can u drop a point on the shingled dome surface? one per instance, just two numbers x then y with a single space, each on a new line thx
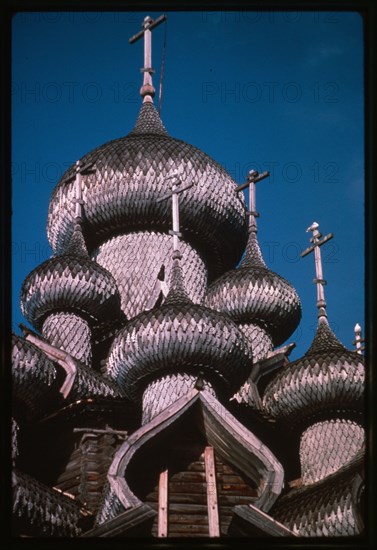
254 294
327 378
130 175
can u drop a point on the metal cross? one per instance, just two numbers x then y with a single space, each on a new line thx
319 280
359 340
252 178
147 90
176 190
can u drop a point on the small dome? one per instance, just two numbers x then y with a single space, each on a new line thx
254 294
70 282
328 378
178 337
129 175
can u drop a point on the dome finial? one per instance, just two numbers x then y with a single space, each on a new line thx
77 243
319 280
253 255
252 178
175 191
359 340
147 91
176 283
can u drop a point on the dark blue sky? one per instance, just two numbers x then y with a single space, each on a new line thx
268 90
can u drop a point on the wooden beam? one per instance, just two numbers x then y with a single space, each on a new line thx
213 511
163 504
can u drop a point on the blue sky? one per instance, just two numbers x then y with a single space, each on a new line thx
265 90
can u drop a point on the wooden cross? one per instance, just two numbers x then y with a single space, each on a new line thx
176 190
319 280
252 178
80 170
147 90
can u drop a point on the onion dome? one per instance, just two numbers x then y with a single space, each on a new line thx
70 282
328 379
129 175
178 337
254 295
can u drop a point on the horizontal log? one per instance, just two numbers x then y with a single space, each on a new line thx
236 489
187 487
230 478
196 467
185 498
188 529
187 477
191 519
187 508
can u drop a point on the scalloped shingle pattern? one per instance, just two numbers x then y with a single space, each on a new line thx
130 175
257 295
52 513
69 283
135 260
162 392
327 378
71 333
327 446
259 340
35 379
177 337
329 508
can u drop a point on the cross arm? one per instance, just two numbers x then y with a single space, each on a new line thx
258 177
175 192
318 243
149 27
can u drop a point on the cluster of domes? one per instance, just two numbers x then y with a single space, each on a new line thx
179 336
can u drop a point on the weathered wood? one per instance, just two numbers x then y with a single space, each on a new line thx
191 519
187 508
126 521
163 504
196 467
183 487
188 529
188 477
255 522
213 512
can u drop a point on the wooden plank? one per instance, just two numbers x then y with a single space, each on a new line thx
189 477
183 487
163 504
187 508
259 523
213 512
188 530
118 526
190 519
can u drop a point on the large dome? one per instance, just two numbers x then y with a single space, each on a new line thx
129 175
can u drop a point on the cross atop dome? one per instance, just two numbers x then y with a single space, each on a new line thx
175 191
252 178
319 280
147 91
